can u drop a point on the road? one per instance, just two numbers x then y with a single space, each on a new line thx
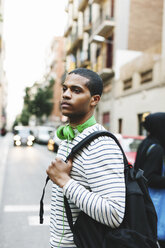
22 177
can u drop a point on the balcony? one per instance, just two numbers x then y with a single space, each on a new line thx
74 43
87 28
103 68
85 64
82 4
67 5
67 30
102 26
106 73
97 1
85 59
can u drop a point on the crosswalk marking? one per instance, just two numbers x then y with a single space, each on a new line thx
24 208
32 220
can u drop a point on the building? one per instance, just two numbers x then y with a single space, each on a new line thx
55 71
123 41
3 82
140 87
90 40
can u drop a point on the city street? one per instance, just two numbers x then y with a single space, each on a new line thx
22 177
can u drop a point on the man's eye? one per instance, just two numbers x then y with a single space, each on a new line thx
77 90
64 89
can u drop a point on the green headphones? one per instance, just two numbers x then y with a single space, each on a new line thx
67 132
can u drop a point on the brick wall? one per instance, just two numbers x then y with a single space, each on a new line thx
145 24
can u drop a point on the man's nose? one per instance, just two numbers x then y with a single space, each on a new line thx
67 93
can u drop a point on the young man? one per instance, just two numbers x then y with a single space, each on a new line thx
94 181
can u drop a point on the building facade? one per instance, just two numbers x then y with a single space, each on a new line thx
123 42
3 81
140 87
55 71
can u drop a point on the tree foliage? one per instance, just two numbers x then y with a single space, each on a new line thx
25 116
38 104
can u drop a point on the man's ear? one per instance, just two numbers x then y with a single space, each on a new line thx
95 100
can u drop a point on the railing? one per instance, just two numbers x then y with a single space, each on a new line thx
82 4
100 20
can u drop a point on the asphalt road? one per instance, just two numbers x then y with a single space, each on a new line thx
22 177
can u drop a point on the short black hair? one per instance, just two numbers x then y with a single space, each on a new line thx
94 84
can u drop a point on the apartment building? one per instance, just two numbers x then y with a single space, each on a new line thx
140 88
56 69
90 39
3 82
122 41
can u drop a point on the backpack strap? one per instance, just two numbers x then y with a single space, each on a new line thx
74 150
91 137
79 146
41 212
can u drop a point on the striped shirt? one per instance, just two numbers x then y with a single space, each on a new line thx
97 186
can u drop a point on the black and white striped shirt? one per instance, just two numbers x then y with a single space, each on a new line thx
97 186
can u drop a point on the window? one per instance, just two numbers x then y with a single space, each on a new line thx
98 51
146 76
109 58
120 124
127 84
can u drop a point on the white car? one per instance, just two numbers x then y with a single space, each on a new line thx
43 134
23 136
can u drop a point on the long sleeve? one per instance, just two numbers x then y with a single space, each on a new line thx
103 166
97 186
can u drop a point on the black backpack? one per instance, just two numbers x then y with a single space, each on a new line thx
139 227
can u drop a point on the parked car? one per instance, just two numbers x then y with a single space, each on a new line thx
130 145
23 136
53 142
43 134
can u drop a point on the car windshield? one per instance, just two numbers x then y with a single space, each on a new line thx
23 132
44 131
130 144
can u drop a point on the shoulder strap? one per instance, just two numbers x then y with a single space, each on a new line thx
79 146
74 150
90 138
41 212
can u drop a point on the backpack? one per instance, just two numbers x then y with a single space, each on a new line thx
139 226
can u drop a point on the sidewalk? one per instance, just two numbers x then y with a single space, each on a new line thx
4 148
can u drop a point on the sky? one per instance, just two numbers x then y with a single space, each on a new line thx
29 27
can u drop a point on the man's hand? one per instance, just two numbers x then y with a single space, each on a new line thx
59 172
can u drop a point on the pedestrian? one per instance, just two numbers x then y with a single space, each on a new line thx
94 181
151 158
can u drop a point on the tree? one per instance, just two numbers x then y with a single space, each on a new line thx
39 103
25 116
42 103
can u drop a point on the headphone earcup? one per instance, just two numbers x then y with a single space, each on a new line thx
65 132
68 132
59 132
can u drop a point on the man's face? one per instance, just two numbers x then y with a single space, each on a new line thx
76 98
